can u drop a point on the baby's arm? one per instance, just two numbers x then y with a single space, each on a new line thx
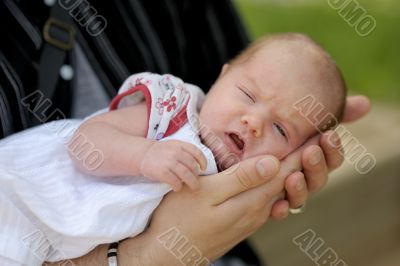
120 137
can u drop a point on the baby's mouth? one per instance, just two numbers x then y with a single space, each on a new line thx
230 152
237 141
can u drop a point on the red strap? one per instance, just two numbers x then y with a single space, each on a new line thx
140 87
176 123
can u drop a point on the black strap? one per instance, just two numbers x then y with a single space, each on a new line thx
59 35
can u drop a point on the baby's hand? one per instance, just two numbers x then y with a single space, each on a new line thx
173 162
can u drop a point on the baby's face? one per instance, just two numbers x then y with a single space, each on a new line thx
249 110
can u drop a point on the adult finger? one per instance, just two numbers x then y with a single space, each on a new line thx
293 162
280 210
196 153
296 190
254 206
314 168
332 148
356 107
240 177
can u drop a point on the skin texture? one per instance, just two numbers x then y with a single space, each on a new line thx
255 101
241 209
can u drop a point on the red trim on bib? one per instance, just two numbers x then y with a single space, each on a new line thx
140 87
178 121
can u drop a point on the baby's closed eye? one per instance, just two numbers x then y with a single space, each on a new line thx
280 130
247 93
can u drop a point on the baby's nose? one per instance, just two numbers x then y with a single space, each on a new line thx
254 125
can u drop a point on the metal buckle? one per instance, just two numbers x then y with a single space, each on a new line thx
63 26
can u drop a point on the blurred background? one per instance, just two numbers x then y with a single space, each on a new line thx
356 215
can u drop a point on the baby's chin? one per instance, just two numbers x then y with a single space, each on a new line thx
224 158
227 162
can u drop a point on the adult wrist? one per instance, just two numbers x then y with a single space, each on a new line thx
133 251
144 250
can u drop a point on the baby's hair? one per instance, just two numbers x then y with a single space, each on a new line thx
331 72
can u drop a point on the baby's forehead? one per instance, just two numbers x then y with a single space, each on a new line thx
302 71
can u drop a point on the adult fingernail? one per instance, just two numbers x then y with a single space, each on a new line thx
334 140
315 158
266 167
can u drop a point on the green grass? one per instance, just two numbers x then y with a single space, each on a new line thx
370 64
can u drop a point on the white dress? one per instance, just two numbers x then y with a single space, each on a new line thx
50 211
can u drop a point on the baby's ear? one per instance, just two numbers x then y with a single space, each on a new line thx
224 69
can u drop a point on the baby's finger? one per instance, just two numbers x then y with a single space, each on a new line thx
187 160
184 174
197 154
172 179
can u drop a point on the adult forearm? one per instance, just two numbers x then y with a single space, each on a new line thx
132 251
102 150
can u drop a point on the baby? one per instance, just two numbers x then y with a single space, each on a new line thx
249 111
171 137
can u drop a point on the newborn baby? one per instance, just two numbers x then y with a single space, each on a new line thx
249 111
171 137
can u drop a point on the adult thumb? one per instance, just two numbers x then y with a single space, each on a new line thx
240 177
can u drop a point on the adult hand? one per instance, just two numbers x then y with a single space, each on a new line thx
229 207
318 159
